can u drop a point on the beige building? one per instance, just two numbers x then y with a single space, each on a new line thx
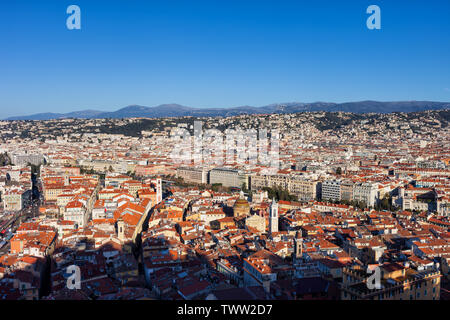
347 190
13 199
257 222
133 187
52 192
304 189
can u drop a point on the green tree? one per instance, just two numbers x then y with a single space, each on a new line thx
279 194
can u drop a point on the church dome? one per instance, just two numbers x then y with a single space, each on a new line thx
241 207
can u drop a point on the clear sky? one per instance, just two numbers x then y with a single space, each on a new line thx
219 53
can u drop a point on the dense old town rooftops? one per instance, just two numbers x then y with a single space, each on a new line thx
355 193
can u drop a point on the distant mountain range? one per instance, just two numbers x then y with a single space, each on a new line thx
175 110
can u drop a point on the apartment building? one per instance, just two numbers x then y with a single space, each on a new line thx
443 206
76 211
133 186
227 177
397 282
260 269
423 172
52 191
25 159
304 189
193 175
15 199
258 182
347 190
366 192
331 190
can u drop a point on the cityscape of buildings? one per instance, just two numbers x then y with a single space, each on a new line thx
357 209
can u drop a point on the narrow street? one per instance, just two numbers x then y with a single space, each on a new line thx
31 210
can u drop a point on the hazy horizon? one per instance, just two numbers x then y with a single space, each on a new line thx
224 107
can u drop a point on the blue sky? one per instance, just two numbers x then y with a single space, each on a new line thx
219 53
